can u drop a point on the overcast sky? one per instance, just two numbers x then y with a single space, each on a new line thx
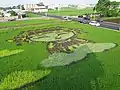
16 2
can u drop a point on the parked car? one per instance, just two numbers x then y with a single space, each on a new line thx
94 23
83 21
65 17
99 20
118 28
80 16
87 18
24 15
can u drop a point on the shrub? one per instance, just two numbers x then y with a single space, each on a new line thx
4 53
21 78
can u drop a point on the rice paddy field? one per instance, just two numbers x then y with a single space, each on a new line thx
88 59
31 15
71 12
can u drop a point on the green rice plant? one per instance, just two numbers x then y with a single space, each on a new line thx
100 47
71 48
21 78
74 46
53 36
61 59
10 41
51 45
4 53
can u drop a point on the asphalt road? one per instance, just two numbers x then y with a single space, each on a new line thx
110 25
102 24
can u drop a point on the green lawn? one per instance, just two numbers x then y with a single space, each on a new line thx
31 15
71 12
99 71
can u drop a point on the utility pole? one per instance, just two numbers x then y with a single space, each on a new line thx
94 13
21 11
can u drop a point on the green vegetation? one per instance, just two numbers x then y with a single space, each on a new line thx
46 35
67 45
4 53
100 47
20 78
13 13
61 37
108 8
71 12
31 15
98 71
113 20
52 36
26 23
106 18
50 45
62 59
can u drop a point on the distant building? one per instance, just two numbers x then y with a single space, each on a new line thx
17 10
1 11
36 8
82 6
7 14
52 7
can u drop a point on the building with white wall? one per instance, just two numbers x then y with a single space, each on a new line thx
52 6
82 6
35 8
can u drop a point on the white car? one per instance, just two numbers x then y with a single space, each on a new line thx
94 23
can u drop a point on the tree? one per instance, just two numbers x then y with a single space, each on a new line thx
23 7
56 8
14 7
114 9
107 8
18 7
7 8
13 13
102 6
